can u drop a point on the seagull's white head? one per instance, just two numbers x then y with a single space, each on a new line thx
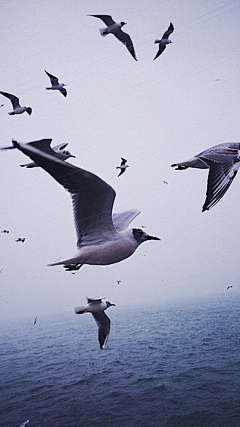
109 304
140 236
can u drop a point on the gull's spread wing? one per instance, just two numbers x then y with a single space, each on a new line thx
54 80
92 197
14 99
103 323
223 163
168 32
122 220
107 19
126 40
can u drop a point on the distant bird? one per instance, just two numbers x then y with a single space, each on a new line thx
223 162
164 41
102 237
35 321
229 287
58 150
56 85
115 29
118 282
17 109
2 105
5 231
96 307
20 239
165 182
24 423
123 166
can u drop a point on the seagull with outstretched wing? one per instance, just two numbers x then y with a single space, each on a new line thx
223 162
56 85
17 109
115 28
164 41
122 166
96 307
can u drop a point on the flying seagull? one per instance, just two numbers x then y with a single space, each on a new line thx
2 105
24 423
115 29
5 231
223 162
97 308
229 287
56 85
123 166
165 182
58 151
164 41
20 239
17 109
102 238
35 321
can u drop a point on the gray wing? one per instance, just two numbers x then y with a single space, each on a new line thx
168 32
122 220
14 99
24 423
126 40
63 91
54 80
220 178
161 49
89 300
92 197
121 172
107 19
124 161
103 323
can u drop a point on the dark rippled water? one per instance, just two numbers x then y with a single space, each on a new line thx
176 365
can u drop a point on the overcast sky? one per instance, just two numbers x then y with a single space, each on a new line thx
153 113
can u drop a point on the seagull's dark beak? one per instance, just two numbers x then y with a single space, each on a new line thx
72 156
113 304
153 238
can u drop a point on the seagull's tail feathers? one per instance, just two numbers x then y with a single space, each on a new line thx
103 32
79 310
29 165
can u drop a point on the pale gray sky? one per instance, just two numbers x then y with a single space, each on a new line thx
153 113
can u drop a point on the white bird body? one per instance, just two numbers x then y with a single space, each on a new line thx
111 29
109 250
102 237
163 41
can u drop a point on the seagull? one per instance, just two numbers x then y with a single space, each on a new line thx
123 166
56 85
35 321
115 29
5 231
97 308
118 282
229 287
24 423
17 109
59 151
164 41
102 237
223 163
165 182
2 105
20 239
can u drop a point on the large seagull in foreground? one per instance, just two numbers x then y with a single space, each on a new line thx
223 162
97 307
164 41
102 238
115 28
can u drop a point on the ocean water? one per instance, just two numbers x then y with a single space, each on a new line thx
174 365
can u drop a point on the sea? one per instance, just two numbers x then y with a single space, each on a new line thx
175 364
